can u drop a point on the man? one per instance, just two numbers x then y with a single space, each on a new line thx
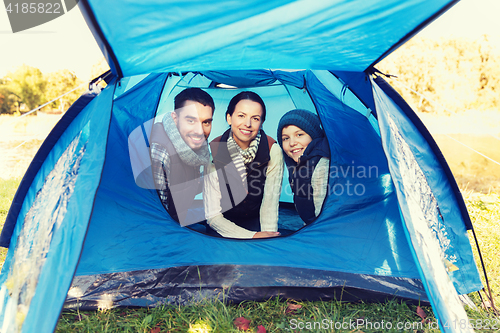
179 153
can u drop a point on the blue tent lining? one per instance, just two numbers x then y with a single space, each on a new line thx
36 164
389 90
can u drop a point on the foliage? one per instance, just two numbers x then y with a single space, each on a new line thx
7 99
61 82
457 74
28 85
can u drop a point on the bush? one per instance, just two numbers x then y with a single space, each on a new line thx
457 74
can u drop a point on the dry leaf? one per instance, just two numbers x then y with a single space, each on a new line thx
261 329
155 330
242 323
421 313
291 308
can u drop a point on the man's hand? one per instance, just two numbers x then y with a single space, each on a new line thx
266 234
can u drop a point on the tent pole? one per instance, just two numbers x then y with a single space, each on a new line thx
488 294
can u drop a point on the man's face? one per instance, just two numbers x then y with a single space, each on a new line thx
194 121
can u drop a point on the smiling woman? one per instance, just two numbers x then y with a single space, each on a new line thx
243 186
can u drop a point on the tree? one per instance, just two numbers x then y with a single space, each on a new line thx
28 84
59 83
7 99
456 74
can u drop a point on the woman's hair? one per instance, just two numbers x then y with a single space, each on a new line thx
250 95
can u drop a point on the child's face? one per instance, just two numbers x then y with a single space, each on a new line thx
295 141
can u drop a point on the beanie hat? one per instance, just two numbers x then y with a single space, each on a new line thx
303 119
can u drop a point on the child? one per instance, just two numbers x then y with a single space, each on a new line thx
307 156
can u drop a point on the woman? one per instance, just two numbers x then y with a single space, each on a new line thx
307 156
243 185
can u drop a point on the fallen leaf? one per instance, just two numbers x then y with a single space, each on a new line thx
291 308
261 329
155 330
242 323
421 313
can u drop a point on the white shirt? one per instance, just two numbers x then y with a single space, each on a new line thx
268 208
319 183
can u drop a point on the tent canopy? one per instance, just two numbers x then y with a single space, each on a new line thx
230 34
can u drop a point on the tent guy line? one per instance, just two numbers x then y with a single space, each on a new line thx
45 104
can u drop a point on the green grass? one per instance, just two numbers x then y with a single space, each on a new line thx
484 211
7 190
214 316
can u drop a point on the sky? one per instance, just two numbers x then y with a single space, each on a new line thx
67 42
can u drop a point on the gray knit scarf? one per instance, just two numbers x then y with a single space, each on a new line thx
187 155
242 157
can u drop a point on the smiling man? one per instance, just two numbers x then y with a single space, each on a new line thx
179 153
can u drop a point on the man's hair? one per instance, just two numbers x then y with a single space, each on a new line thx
249 95
195 95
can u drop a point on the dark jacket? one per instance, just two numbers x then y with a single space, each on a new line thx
241 203
185 179
300 175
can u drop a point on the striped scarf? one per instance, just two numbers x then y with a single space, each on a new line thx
242 157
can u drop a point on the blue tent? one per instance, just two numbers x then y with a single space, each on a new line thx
82 233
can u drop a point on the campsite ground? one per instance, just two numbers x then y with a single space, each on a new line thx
477 177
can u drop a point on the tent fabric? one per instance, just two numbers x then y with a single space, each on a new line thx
392 202
37 162
139 218
445 204
203 35
238 283
434 241
52 223
359 239
454 200
126 215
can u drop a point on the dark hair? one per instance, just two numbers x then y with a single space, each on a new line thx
195 95
250 95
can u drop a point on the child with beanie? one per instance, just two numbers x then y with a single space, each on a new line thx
307 156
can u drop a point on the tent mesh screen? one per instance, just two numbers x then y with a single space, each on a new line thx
40 224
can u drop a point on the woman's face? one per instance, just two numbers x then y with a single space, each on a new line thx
245 122
295 141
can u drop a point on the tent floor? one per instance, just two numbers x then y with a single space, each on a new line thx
235 283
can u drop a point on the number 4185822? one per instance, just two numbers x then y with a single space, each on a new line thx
40 7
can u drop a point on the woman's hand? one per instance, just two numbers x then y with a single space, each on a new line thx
266 234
